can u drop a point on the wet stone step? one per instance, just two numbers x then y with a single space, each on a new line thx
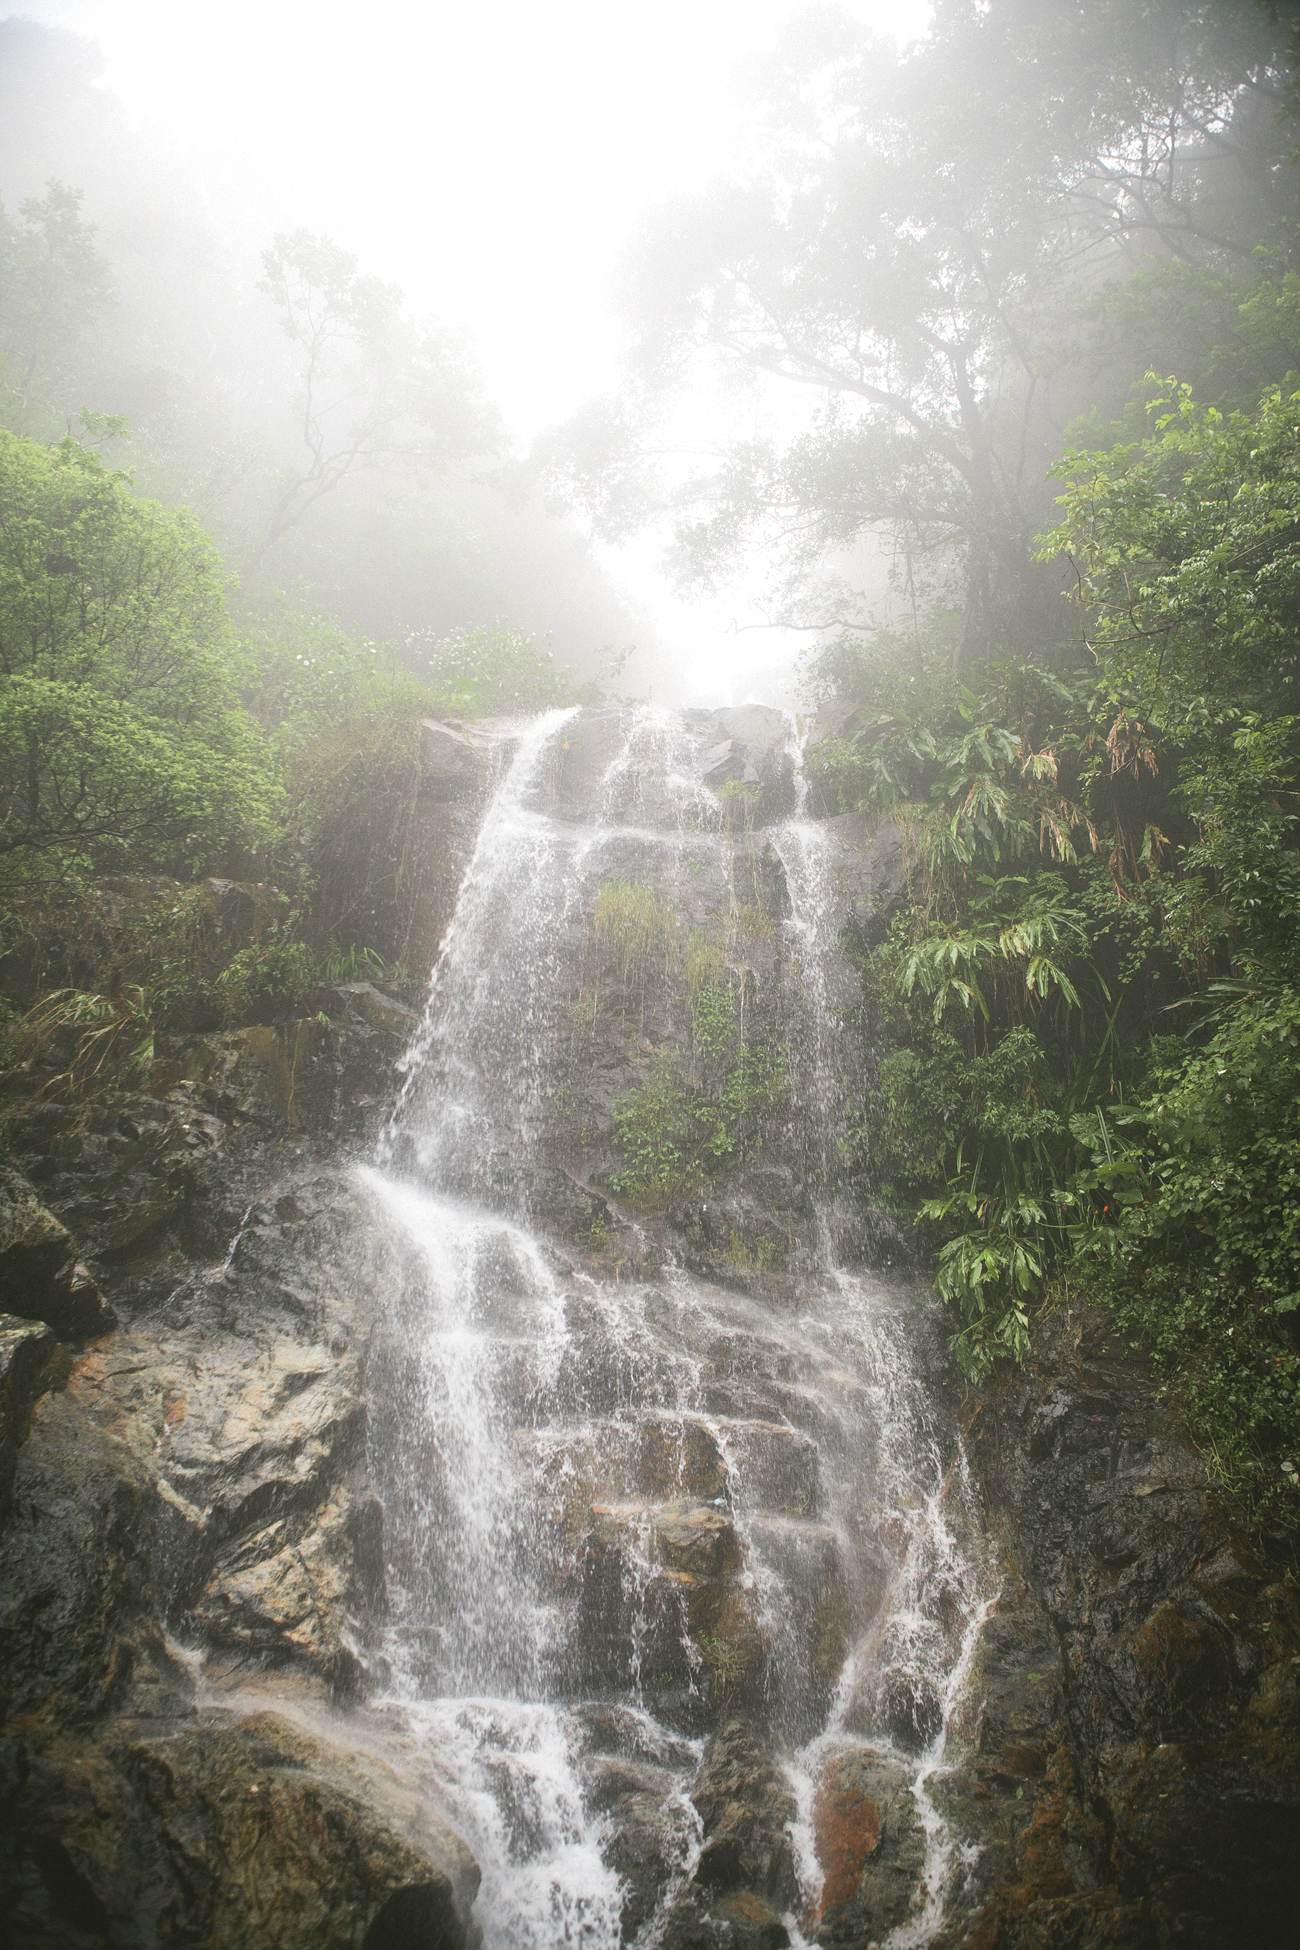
801 1552
698 1538
828 1420
651 1826
665 1612
511 1375
603 1372
744 1354
771 1466
661 1457
809 1609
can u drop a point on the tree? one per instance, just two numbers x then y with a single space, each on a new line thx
910 259
53 286
373 389
1187 547
121 735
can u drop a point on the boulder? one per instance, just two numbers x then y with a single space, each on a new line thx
241 911
754 752
454 762
660 1606
640 1801
759 726
1120 1787
697 1537
556 1200
744 1881
585 751
241 1406
32 1361
80 1633
226 1831
726 762
366 1003
870 1844
836 720
868 866
41 1276
120 1171
273 1074
274 1535
280 1597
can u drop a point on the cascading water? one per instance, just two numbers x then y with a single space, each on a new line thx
629 1502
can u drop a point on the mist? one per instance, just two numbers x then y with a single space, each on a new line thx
492 167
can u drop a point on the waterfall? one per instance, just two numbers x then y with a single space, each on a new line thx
633 1495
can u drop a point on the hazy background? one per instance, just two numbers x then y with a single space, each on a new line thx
490 160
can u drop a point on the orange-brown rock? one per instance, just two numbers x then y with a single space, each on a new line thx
846 1824
697 1537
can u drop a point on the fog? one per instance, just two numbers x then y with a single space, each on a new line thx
491 161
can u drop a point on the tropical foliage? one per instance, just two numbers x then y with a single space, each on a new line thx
1090 992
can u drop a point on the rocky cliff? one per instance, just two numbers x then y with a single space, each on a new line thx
822 1645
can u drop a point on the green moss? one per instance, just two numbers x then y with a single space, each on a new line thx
752 1256
749 924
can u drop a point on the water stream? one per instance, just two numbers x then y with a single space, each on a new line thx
622 1504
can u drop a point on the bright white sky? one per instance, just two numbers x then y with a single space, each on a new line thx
490 158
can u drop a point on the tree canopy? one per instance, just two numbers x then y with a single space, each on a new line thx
899 283
372 387
54 284
123 735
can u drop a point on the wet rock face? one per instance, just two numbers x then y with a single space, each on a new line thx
79 1626
675 1442
455 762
32 1361
205 1467
697 1538
210 1465
250 1421
744 1882
1142 1677
193 1461
225 1831
747 746
632 1781
201 1468
137 1174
